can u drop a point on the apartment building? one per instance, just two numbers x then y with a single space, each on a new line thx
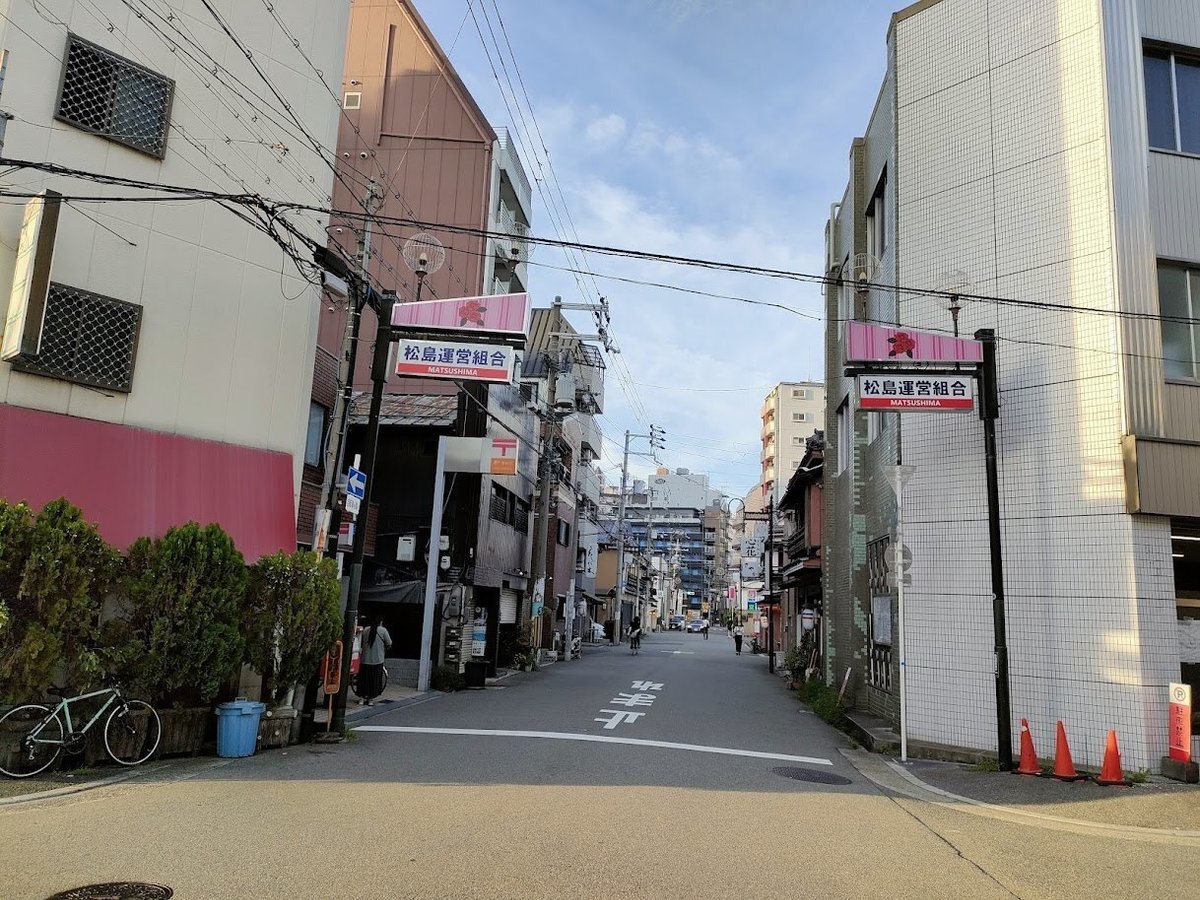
1047 173
791 412
157 356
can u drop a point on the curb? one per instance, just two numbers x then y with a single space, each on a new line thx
893 778
165 770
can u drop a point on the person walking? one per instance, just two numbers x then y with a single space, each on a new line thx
706 629
635 635
738 634
375 645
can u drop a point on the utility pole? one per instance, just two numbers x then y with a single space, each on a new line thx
546 462
655 437
989 411
767 585
356 297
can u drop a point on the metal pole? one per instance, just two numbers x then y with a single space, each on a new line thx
770 598
620 586
431 567
989 411
379 373
545 480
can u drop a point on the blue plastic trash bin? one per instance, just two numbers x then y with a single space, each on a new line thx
237 727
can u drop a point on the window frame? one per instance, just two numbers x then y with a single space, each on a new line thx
1171 54
314 406
168 106
1191 274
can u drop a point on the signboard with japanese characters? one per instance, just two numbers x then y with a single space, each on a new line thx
502 456
455 359
505 315
1179 743
910 392
880 343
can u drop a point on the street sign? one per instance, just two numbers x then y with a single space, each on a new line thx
913 392
502 456
356 489
461 360
1179 742
504 315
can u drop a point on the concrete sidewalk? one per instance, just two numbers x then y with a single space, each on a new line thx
1156 809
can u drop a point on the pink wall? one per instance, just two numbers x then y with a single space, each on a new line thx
135 483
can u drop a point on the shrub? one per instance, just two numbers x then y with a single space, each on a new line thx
447 678
55 572
184 593
291 617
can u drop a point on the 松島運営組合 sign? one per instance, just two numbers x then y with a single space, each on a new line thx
917 393
462 360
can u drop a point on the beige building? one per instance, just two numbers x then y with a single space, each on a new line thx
157 356
791 412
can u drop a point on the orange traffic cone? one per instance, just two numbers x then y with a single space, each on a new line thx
1064 768
1111 772
1029 763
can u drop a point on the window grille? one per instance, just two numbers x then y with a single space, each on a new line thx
521 517
87 338
881 652
500 504
114 98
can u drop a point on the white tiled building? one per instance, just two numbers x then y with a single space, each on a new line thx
1020 167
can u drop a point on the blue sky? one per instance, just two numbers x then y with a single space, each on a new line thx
714 129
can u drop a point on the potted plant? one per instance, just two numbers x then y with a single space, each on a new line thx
290 618
182 596
55 572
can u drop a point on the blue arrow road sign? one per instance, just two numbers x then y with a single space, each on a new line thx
356 483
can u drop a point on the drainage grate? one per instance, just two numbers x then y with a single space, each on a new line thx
117 890
810 775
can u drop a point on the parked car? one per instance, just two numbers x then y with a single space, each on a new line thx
675 623
697 625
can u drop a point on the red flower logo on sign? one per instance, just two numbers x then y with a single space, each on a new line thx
902 343
471 313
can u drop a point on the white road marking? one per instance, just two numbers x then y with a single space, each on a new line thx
596 739
678 652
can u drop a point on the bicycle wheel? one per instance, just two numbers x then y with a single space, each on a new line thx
132 732
30 740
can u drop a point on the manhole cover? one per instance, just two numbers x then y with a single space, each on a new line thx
116 890
810 775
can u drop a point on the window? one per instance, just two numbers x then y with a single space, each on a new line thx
1172 101
799 393
876 224
1179 298
507 507
801 417
314 442
845 437
352 100
795 464
564 533
114 98
88 339
797 442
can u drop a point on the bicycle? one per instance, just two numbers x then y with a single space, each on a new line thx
32 735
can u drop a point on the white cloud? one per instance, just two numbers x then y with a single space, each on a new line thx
606 130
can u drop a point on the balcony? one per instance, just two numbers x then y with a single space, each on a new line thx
510 165
515 246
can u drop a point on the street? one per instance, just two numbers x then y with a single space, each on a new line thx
618 775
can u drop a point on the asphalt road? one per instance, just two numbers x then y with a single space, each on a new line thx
522 791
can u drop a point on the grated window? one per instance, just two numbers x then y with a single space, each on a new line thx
87 338
114 98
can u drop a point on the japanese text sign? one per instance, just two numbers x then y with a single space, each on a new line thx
908 392
875 343
455 359
502 458
1179 739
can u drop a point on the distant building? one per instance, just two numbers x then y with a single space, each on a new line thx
791 412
